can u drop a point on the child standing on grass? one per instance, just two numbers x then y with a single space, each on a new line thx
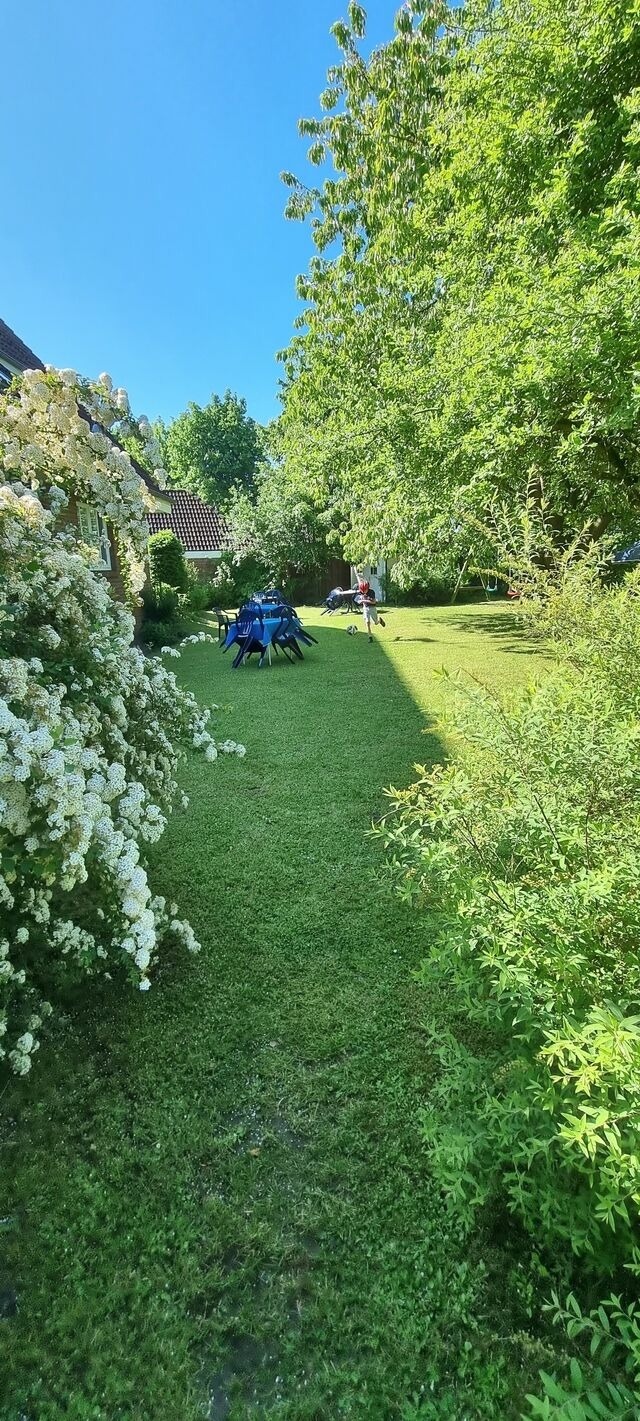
369 609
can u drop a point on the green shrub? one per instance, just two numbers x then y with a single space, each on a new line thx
223 591
166 560
162 616
197 594
158 634
612 1332
433 590
526 848
527 844
159 603
234 581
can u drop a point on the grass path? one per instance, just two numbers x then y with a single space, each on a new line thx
217 1205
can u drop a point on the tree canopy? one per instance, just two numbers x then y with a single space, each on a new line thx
207 449
471 331
279 526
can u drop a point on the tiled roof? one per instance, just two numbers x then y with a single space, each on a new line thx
15 351
199 526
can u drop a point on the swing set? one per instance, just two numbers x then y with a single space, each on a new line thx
488 580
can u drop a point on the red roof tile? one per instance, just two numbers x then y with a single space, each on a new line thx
199 526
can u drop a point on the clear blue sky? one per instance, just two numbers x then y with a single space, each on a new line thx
142 225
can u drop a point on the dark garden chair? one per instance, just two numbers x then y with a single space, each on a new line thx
245 633
281 635
341 599
223 624
288 632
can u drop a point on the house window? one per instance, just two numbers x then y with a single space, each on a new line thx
5 377
93 531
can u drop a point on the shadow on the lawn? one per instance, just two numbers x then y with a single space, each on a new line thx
499 625
222 1202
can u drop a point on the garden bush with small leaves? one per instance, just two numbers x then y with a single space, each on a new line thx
167 561
525 846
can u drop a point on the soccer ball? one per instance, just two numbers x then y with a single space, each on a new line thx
351 631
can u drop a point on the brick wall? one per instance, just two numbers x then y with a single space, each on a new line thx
205 567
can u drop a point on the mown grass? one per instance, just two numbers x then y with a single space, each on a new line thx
217 1204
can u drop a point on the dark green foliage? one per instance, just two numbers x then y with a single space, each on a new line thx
158 634
434 589
166 560
160 603
225 585
162 615
279 527
237 579
198 594
525 848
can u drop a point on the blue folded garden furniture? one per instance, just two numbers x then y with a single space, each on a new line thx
265 624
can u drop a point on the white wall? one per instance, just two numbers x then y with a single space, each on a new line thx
374 573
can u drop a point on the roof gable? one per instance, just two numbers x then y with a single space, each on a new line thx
199 526
15 352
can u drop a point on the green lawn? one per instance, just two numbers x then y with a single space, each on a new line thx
216 1200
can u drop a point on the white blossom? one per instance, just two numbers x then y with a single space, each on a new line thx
88 762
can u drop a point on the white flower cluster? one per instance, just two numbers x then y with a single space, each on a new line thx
187 641
203 741
61 437
91 733
24 1049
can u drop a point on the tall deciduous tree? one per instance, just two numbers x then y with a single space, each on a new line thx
207 449
279 526
471 330
277 522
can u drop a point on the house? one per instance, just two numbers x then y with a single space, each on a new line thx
15 357
204 533
375 573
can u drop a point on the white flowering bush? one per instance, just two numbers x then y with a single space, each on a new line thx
58 430
90 729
